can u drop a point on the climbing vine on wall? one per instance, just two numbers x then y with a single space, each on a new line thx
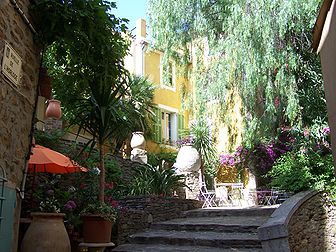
260 47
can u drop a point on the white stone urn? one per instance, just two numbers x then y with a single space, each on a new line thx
138 144
188 160
138 140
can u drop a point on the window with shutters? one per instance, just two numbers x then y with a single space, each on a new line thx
168 127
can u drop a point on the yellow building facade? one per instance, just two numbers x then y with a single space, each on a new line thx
171 118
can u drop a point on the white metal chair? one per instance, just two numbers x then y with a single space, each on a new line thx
221 195
207 197
236 195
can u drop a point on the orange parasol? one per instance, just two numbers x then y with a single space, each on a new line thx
47 160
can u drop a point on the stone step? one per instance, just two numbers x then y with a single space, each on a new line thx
213 212
188 238
218 224
174 248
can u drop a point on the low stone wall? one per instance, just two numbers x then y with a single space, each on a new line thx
139 212
193 186
305 222
313 226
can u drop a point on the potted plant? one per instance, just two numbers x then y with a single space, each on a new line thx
98 219
101 115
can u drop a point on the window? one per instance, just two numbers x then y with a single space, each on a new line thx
168 126
167 74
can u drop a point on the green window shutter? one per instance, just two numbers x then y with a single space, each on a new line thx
157 126
180 125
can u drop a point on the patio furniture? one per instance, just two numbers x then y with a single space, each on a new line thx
266 197
222 196
207 196
236 194
283 196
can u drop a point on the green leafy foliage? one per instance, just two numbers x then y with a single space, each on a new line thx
137 107
104 210
260 48
149 180
48 139
203 143
309 165
298 170
156 160
82 42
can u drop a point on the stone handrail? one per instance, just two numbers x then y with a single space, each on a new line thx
274 233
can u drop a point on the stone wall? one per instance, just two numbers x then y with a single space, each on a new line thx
192 190
304 222
313 226
138 212
16 103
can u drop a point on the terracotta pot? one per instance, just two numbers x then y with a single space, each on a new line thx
96 229
138 140
54 109
46 233
44 83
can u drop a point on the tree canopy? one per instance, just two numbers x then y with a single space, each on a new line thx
259 48
82 41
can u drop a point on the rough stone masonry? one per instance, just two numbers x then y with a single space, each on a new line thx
16 110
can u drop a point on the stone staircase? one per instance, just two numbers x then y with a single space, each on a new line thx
207 230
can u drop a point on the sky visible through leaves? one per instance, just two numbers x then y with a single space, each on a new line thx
132 10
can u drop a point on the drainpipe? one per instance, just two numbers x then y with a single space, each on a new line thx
23 15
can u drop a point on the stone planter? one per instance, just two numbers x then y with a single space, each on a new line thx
138 144
188 160
138 140
46 233
96 229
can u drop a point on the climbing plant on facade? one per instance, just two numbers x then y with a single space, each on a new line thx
259 48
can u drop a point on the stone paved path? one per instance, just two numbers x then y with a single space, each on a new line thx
208 230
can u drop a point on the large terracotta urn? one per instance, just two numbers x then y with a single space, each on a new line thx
46 233
96 229
188 160
138 140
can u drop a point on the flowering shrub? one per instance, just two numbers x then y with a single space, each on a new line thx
49 204
309 164
48 195
260 158
235 159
